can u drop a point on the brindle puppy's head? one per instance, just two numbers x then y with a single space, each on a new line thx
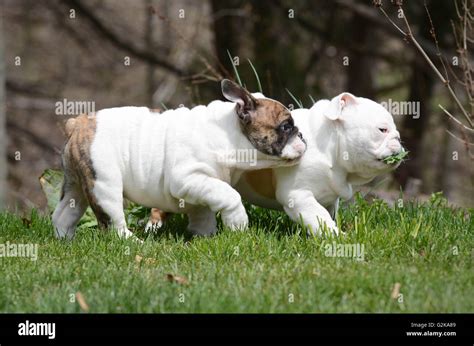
266 123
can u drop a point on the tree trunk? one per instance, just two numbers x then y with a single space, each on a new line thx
225 28
266 43
413 130
3 134
359 76
150 69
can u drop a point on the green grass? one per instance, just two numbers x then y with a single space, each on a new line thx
272 267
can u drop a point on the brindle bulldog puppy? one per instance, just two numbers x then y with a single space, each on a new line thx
182 160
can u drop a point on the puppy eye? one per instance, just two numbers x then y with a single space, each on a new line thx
286 127
383 130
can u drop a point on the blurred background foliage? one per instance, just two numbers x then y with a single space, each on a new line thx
163 53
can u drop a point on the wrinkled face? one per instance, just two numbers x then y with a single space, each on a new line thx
266 123
371 136
272 131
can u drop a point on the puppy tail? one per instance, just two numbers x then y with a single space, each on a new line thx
70 126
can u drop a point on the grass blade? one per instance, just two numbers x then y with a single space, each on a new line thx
235 68
298 103
256 76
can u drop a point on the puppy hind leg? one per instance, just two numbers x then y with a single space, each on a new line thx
69 210
107 204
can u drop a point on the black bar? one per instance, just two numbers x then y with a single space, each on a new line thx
137 329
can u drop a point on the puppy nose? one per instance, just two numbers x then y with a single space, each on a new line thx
300 147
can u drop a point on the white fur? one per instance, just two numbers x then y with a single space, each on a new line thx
170 161
344 146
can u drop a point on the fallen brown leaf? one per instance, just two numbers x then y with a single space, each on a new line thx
82 302
176 278
396 290
150 260
147 260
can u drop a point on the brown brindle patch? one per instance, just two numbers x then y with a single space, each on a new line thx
262 182
77 160
155 110
264 132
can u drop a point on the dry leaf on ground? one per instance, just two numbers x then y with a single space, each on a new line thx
396 290
82 302
176 278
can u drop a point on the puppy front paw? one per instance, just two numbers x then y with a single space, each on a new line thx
325 228
157 217
236 219
124 233
335 230
152 227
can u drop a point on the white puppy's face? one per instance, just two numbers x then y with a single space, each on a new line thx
367 134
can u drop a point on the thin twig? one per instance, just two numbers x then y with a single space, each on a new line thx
118 41
459 139
456 120
412 38
391 21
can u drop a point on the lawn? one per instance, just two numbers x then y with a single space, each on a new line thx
416 258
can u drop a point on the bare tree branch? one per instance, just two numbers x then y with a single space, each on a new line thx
121 43
29 89
353 48
456 120
31 136
409 35
459 139
367 12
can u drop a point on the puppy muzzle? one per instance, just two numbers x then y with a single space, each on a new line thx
294 148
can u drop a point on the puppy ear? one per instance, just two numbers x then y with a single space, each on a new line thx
338 104
246 103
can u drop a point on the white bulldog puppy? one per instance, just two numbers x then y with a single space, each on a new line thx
182 160
347 140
